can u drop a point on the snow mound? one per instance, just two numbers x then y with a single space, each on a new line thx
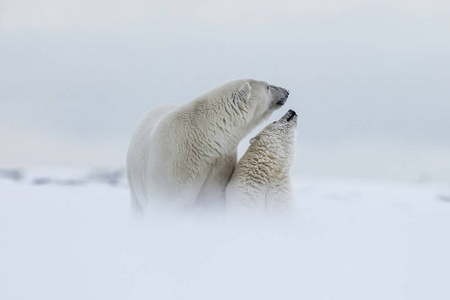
348 240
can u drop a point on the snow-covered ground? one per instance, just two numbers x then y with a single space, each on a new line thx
68 234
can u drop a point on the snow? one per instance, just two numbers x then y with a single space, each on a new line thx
70 235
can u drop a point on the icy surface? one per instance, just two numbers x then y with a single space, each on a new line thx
68 234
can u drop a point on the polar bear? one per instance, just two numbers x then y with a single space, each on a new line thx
182 157
261 180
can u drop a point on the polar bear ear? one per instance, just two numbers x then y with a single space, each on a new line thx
244 92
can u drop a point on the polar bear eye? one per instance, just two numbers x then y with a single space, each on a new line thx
267 87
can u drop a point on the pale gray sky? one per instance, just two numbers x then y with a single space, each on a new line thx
370 80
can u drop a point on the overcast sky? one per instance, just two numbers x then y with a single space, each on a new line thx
370 80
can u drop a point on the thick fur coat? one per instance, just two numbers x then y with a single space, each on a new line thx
184 156
261 181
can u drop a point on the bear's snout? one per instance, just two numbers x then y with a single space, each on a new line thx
283 96
291 115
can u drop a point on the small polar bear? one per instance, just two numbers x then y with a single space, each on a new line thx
261 181
182 157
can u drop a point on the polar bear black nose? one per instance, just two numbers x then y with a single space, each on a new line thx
285 91
291 114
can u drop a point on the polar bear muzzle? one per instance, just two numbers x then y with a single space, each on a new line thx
279 93
290 115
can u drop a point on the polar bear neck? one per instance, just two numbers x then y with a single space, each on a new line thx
220 125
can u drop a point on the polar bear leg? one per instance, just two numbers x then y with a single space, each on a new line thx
136 208
212 193
280 199
245 201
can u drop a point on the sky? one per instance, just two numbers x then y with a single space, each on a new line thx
369 79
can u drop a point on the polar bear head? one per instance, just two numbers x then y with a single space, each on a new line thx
277 139
257 100
247 102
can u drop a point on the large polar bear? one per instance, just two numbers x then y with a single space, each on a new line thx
261 180
183 156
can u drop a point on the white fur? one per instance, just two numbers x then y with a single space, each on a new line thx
182 156
261 181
